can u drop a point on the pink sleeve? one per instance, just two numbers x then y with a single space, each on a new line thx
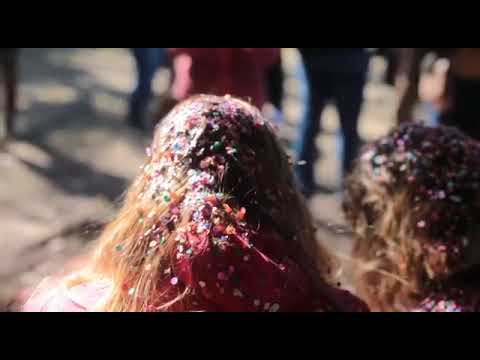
53 296
182 64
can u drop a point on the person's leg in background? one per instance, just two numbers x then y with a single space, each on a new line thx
275 85
147 60
432 116
274 78
349 98
9 64
305 149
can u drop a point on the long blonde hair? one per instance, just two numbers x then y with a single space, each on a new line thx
136 250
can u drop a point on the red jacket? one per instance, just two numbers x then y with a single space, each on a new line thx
236 71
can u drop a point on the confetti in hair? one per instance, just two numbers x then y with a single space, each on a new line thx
219 208
439 166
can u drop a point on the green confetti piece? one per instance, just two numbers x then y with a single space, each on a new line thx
217 146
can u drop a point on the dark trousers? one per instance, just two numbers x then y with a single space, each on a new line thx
339 78
275 79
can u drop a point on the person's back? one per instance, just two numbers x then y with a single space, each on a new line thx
212 223
239 72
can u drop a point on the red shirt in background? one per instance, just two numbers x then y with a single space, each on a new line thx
239 72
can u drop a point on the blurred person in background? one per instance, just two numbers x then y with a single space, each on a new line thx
456 92
241 72
333 74
8 63
148 61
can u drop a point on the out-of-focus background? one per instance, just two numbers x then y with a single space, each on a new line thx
73 154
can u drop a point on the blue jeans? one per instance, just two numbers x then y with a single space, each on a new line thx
147 60
332 77
432 114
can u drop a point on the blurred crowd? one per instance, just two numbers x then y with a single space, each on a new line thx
444 81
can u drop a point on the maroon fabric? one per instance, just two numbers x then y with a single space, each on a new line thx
222 282
227 280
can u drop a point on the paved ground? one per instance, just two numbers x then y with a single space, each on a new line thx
75 156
